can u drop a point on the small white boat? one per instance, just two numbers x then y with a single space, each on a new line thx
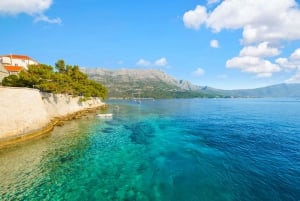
109 115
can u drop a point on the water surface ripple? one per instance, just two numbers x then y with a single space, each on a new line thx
165 150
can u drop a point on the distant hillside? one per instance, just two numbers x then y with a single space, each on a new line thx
129 83
145 83
279 90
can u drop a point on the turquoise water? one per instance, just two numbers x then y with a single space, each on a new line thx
181 150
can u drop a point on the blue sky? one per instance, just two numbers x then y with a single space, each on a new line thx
224 44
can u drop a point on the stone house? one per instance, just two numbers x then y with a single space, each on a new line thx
12 64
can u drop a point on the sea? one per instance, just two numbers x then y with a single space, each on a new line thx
163 150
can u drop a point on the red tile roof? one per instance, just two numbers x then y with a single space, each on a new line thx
13 68
16 56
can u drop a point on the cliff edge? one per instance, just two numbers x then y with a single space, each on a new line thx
24 111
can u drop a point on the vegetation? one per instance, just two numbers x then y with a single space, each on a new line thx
65 79
146 83
150 89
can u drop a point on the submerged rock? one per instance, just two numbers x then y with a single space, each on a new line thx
141 133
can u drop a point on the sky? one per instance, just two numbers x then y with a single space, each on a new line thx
229 44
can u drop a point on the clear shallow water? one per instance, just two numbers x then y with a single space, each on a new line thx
181 150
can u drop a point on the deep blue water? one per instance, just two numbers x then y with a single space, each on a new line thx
170 150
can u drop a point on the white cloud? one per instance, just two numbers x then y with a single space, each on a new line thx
251 60
290 63
296 54
30 7
260 21
143 62
44 18
212 1
262 50
214 44
278 20
35 8
199 72
161 62
256 65
194 18
295 78
264 24
286 64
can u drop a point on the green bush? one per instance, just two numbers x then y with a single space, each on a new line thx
66 79
11 81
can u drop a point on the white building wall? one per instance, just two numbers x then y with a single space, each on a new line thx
17 62
5 60
3 73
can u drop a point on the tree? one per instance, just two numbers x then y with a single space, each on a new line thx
60 66
69 80
11 81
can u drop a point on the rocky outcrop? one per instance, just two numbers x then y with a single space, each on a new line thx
59 105
24 111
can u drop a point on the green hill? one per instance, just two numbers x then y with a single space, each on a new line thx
153 83
143 83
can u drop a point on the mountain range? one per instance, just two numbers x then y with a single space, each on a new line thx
154 83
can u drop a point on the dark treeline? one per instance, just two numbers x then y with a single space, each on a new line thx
66 79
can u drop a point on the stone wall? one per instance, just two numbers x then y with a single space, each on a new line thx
24 110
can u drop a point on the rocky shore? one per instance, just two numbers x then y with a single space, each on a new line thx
27 113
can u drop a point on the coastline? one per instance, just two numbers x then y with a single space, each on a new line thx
40 113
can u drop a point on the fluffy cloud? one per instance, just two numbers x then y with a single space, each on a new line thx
256 65
212 1
199 72
295 78
194 18
296 54
287 64
34 8
262 50
252 60
143 62
291 64
30 7
278 20
214 44
263 24
159 62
